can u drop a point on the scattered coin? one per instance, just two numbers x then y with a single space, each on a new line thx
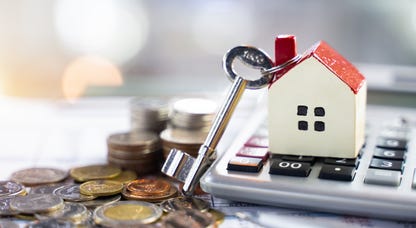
72 212
182 202
72 192
188 217
5 209
100 201
101 188
94 172
45 189
9 224
173 192
219 216
125 176
149 187
11 188
50 223
36 203
38 176
127 213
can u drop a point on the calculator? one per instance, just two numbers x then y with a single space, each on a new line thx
380 182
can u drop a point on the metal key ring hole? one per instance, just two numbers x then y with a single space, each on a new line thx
252 57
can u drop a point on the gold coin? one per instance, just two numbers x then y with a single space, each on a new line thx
94 172
125 177
219 216
127 213
101 188
148 187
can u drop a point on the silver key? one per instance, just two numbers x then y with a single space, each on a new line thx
188 169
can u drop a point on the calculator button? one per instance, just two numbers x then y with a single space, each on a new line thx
389 154
383 177
304 159
258 141
289 168
392 143
337 172
342 161
245 164
254 152
386 164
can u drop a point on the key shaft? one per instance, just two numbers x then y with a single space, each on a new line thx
214 135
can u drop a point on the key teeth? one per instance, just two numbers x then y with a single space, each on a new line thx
177 165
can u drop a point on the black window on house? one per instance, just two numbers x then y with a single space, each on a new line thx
319 112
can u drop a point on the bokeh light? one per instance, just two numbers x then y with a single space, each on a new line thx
116 30
88 71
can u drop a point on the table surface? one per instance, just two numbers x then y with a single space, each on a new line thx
62 134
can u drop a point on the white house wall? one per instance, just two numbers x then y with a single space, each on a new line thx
312 84
361 101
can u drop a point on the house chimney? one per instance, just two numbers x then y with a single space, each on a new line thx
284 48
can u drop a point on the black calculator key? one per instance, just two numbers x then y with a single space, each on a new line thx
392 143
245 164
337 172
289 168
305 159
389 154
342 161
386 164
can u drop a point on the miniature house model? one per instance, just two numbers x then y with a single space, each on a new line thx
317 104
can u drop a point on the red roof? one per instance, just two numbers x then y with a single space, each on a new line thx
330 58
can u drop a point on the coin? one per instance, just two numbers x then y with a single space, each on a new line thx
181 139
188 217
5 209
125 176
148 114
148 187
173 192
94 172
219 216
127 213
133 141
37 176
45 189
193 113
71 192
185 202
103 200
72 212
36 203
9 224
50 223
9 188
101 187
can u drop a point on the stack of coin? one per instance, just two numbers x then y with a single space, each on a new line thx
148 114
193 113
188 141
136 151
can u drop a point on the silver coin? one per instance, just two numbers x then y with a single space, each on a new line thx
45 189
193 113
72 212
36 203
188 218
71 192
37 176
5 209
101 201
127 213
9 224
8 188
181 203
50 223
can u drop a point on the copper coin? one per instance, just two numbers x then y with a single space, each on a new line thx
173 192
37 176
148 187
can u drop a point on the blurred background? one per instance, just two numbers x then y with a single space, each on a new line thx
75 48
